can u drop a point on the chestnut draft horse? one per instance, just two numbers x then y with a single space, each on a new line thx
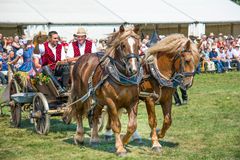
111 79
169 63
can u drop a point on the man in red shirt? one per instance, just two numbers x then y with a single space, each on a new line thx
52 52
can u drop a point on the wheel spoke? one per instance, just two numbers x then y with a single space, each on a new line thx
42 123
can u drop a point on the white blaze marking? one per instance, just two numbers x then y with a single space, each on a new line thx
131 43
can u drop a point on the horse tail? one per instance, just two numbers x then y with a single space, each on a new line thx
68 112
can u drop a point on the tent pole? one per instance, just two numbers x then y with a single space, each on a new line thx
179 28
231 29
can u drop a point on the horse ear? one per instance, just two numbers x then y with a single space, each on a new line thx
136 29
39 33
121 28
187 45
199 44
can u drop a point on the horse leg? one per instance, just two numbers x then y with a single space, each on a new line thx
94 134
166 108
108 135
132 123
152 121
116 127
79 136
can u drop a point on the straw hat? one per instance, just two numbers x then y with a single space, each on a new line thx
81 32
211 34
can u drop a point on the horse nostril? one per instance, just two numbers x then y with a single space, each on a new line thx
188 85
132 71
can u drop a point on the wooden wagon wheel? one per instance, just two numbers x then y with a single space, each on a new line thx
14 107
42 118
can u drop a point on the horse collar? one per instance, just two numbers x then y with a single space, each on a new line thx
121 78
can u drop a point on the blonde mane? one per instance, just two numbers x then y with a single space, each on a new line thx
172 45
116 38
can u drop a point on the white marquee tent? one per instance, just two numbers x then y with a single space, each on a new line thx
101 16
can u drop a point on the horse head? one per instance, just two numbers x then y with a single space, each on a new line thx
186 63
176 57
40 38
125 45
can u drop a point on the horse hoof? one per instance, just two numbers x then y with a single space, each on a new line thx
108 138
78 142
121 154
66 120
156 149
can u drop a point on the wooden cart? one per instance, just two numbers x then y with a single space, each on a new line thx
43 103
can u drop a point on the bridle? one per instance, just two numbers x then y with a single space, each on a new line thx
183 63
125 57
181 74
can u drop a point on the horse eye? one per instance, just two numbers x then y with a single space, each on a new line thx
123 46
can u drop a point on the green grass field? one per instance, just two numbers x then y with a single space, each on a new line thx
207 128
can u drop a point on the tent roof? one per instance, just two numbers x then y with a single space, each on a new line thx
116 12
55 12
209 11
150 11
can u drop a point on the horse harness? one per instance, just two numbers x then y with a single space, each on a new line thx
176 79
112 72
173 82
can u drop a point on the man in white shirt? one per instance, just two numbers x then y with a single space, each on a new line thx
236 56
230 55
81 46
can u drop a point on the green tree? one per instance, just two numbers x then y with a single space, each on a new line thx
236 1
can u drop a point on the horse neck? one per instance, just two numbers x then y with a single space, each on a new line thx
165 65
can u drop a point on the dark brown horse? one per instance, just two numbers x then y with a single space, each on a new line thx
40 38
171 62
116 74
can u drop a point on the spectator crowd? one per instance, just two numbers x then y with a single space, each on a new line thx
219 53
